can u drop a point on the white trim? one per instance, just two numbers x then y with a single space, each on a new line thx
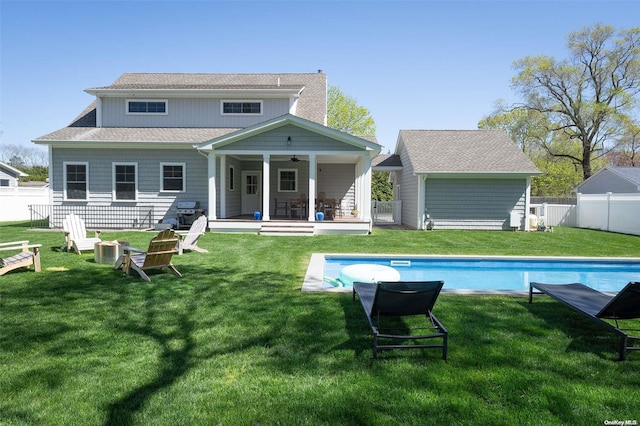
64 180
128 101
295 171
113 181
184 176
252 101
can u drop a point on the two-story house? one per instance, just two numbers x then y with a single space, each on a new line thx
231 145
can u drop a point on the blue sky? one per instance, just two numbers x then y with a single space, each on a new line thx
413 64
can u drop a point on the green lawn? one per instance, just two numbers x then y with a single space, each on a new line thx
235 342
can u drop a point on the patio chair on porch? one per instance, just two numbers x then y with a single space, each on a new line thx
299 206
75 233
189 240
158 256
280 205
23 259
329 208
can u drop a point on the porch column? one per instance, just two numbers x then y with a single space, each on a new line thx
223 186
366 188
311 206
211 171
266 185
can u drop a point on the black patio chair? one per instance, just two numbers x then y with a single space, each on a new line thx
383 300
599 307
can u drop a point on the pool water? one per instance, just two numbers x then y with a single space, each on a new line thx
488 273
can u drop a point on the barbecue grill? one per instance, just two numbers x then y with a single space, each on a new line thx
187 212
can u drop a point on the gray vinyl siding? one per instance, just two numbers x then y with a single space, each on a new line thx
188 113
11 178
474 203
408 192
337 181
607 181
301 140
100 163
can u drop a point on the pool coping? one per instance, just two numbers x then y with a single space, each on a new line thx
314 277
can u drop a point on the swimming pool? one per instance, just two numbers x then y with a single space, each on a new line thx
471 273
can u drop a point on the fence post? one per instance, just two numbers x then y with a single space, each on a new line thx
608 210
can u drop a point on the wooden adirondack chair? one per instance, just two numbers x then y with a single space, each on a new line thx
75 234
158 255
23 259
189 240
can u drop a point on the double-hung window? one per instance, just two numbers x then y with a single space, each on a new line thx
241 107
287 180
172 177
76 181
146 106
125 181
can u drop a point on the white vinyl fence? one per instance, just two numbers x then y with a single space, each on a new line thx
557 214
610 212
15 201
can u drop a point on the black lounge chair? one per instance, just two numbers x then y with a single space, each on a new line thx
599 306
397 299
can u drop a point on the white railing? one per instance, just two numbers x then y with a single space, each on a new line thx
610 212
386 212
15 202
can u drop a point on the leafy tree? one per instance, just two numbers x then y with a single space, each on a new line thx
628 149
381 189
344 114
586 97
528 129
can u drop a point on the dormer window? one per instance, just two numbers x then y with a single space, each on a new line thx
142 106
241 107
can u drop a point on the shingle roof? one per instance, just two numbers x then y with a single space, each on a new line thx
632 174
136 134
312 104
387 160
464 151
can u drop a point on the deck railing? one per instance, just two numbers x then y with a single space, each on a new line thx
95 217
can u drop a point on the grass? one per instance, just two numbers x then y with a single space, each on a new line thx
235 342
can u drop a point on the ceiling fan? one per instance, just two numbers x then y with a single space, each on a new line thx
294 159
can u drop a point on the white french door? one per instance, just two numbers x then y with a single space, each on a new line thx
251 192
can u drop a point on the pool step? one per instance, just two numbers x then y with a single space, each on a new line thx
287 228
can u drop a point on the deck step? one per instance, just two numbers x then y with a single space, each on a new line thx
287 229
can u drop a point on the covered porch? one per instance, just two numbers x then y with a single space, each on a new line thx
289 171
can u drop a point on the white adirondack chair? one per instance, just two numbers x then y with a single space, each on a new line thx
189 240
23 259
75 234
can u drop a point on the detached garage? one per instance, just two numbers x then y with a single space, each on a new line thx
461 179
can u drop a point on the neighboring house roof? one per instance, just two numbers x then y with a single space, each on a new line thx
464 151
12 170
628 174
